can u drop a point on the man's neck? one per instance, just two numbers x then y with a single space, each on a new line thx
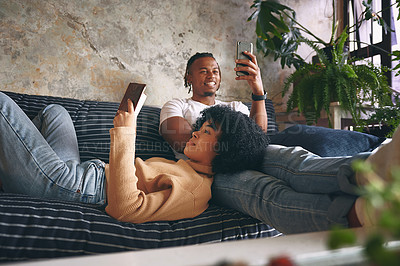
207 100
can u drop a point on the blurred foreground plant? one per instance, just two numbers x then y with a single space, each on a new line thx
384 198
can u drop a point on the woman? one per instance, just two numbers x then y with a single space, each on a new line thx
41 158
293 190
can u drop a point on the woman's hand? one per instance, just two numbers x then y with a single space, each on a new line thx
254 77
125 119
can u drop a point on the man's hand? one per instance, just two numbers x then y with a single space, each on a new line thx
254 77
126 119
257 111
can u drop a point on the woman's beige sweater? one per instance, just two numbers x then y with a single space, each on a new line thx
153 190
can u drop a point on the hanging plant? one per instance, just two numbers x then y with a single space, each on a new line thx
315 86
280 34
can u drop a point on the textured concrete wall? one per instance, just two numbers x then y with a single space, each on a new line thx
93 49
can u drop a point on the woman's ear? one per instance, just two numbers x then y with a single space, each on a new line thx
217 148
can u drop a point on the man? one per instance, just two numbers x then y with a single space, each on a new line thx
293 190
203 78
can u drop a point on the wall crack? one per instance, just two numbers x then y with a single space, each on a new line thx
74 23
116 61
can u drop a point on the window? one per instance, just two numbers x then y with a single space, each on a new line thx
369 41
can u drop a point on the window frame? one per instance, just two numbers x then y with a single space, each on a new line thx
370 51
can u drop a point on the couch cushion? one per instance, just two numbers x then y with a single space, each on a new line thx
93 120
327 142
272 125
33 228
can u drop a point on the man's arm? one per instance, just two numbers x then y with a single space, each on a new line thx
176 131
257 112
174 127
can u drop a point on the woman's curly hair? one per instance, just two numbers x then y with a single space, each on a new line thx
241 144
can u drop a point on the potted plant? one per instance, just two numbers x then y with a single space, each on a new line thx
388 118
336 80
280 34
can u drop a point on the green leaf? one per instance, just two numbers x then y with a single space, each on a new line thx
254 15
283 61
378 254
279 38
370 14
339 238
398 7
269 24
260 33
349 71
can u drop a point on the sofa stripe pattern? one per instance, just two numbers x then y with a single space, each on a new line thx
36 228
33 228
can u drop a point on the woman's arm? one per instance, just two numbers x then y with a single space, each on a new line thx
121 178
125 202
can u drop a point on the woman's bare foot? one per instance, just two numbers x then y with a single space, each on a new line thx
383 162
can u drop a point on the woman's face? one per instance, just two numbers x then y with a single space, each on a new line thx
204 76
201 148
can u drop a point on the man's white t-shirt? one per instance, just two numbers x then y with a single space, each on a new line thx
190 110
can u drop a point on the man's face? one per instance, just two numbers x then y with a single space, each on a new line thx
204 76
201 148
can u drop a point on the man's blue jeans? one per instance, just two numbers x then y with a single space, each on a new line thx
294 190
41 157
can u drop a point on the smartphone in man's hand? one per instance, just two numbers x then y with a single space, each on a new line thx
240 48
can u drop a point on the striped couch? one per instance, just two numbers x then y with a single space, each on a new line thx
34 228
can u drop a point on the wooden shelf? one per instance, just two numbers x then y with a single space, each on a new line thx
339 118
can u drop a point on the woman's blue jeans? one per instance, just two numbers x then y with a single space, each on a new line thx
294 190
41 157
